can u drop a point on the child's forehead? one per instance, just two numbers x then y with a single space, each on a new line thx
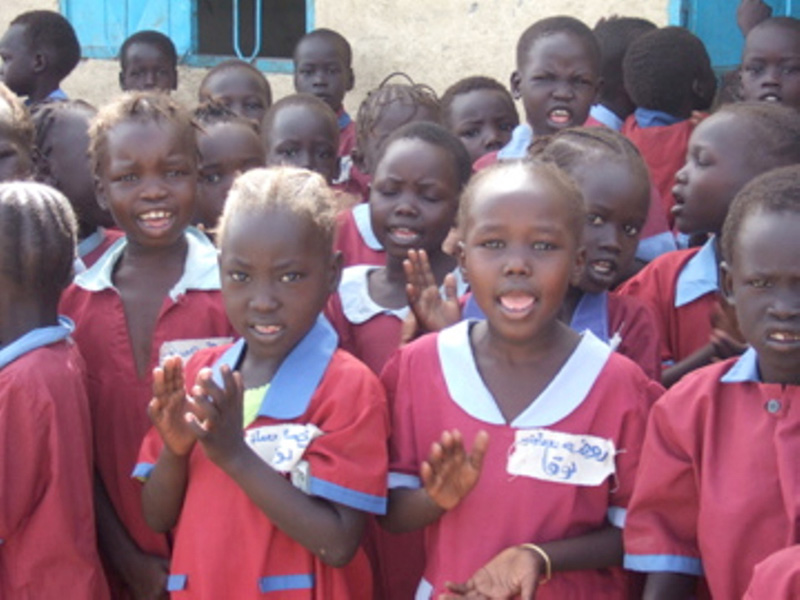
247 229
233 79
16 38
143 50
768 238
772 38
480 99
320 48
557 44
296 119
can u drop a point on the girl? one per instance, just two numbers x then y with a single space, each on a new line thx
291 488
553 413
46 511
155 292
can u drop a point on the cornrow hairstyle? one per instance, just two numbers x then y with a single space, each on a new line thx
471 84
776 191
210 113
141 107
530 168
409 93
436 135
44 115
290 189
559 24
235 63
572 148
50 33
15 123
38 238
308 101
615 35
150 38
661 67
774 130
329 35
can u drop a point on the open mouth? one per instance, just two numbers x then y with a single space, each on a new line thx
156 220
517 304
404 236
266 330
560 116
770 97
604 268
784 337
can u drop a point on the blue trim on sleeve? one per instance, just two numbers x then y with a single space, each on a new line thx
346 496
606 116
647 117
280 583
616 516
343 119
403 480
663 563
176 583
654 246
142 471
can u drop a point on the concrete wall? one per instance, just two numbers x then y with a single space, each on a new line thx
435 41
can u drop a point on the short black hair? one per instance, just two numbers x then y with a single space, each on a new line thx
308 101
438 136
776 191
661 67
331 36
235 63
559 24
614 35
50 33
470 84
788 23
151 38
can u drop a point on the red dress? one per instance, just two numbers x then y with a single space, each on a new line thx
356 240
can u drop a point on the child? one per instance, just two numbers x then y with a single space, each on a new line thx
148 61
47 528
16 138
39 49
771 62
155 291
615 35
62 160
725 152
383 111
668 75
228 145
290 492
239 86
552 413
323 67
557 78
717 492
481 112
301 130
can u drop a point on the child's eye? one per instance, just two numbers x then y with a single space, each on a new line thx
239 276
791 69
594 220
332 70
288 152
212 178
754 68
759 283
509 126
543 246
631 230
174 173
326 154
493 244
253 105
291 277
126 178
471 133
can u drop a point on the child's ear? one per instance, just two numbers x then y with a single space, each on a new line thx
351 79
461 256
578 267
100 194
726 283
516 81
335 271
40 61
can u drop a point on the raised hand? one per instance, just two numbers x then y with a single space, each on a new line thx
432 312
450 472
168 406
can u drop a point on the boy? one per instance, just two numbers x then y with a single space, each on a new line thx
39 50
322 67
148 61
771 62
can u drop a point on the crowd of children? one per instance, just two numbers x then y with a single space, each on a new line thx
265 349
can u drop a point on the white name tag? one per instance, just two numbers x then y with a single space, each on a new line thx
186 348
561 457
282 446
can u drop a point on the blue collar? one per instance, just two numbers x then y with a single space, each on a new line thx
343 119
517 146
592 313
36 338
363 219
57 94
565 393
606 116
200 272
744 369
654 118
654 246
699 276
91 242
299 375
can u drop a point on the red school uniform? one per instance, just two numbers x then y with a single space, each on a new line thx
94 246
718 482
777 577
681 289
356 240
319 394
192 316
47 526
535 485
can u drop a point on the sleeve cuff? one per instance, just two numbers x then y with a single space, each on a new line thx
616 516
348 497
663 563
403 480
142 471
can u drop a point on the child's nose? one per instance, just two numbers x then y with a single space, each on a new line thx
264 299
517 262
153 188
563 89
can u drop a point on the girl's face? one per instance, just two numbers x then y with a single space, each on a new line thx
616 210
557 83
718 164
15 158
148 180
483 120
414 197
240 90
302 137
276 277
771 66
226 149
763 282
519 254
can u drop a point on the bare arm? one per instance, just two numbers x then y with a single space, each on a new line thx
669 586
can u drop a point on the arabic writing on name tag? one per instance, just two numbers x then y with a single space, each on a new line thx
282 446
561 457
